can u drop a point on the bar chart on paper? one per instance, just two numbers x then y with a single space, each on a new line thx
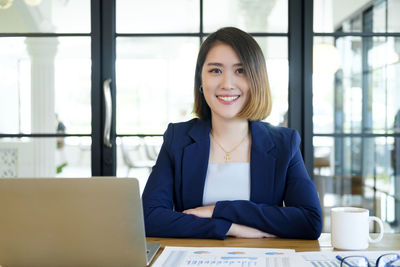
218 256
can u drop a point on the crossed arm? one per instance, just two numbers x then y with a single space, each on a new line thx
236 230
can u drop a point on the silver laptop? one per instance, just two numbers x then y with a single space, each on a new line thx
72 222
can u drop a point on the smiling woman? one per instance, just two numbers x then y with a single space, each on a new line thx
227 173
248 64
224 82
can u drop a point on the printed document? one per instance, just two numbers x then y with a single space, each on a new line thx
328 259
229 256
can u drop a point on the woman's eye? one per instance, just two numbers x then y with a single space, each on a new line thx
241 71
215 71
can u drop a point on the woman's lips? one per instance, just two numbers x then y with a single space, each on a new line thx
227 99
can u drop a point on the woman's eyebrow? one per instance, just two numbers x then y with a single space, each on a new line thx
215 64
221 65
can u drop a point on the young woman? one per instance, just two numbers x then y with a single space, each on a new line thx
226 173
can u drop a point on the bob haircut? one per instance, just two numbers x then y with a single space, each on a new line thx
259 104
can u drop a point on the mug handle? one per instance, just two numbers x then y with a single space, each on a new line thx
379 221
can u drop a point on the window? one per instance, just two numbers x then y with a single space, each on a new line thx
45 66
356 109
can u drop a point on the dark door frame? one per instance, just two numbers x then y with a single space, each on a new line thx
103 68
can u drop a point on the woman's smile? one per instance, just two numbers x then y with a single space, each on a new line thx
227 99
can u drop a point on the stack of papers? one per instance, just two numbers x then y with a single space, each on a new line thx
266 257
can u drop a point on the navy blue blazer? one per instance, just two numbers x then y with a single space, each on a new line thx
283 199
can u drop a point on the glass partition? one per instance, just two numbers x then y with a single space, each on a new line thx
45 157
250 16
155 82
157 16
356 120
45 16
45 86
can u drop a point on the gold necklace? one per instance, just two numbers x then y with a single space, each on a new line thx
227 153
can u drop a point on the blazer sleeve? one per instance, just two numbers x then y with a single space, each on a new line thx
301 217
161 220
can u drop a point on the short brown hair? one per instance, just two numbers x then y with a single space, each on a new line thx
259 104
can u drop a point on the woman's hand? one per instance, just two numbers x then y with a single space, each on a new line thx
242 231
236 230
202 212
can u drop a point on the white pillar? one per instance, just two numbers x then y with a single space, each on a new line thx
42 52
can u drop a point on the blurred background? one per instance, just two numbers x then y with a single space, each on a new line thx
333 67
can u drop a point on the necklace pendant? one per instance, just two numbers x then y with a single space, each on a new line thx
227 158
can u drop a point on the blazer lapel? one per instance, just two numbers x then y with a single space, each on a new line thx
195 164
262 164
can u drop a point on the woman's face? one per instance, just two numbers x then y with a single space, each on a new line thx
225 84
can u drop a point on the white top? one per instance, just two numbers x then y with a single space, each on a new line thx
227 181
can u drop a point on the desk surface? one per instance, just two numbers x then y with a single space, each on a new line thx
389 242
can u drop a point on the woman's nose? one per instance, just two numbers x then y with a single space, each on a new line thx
227 81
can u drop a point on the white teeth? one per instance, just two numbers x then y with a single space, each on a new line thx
228 98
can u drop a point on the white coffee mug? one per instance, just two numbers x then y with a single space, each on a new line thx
350 228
